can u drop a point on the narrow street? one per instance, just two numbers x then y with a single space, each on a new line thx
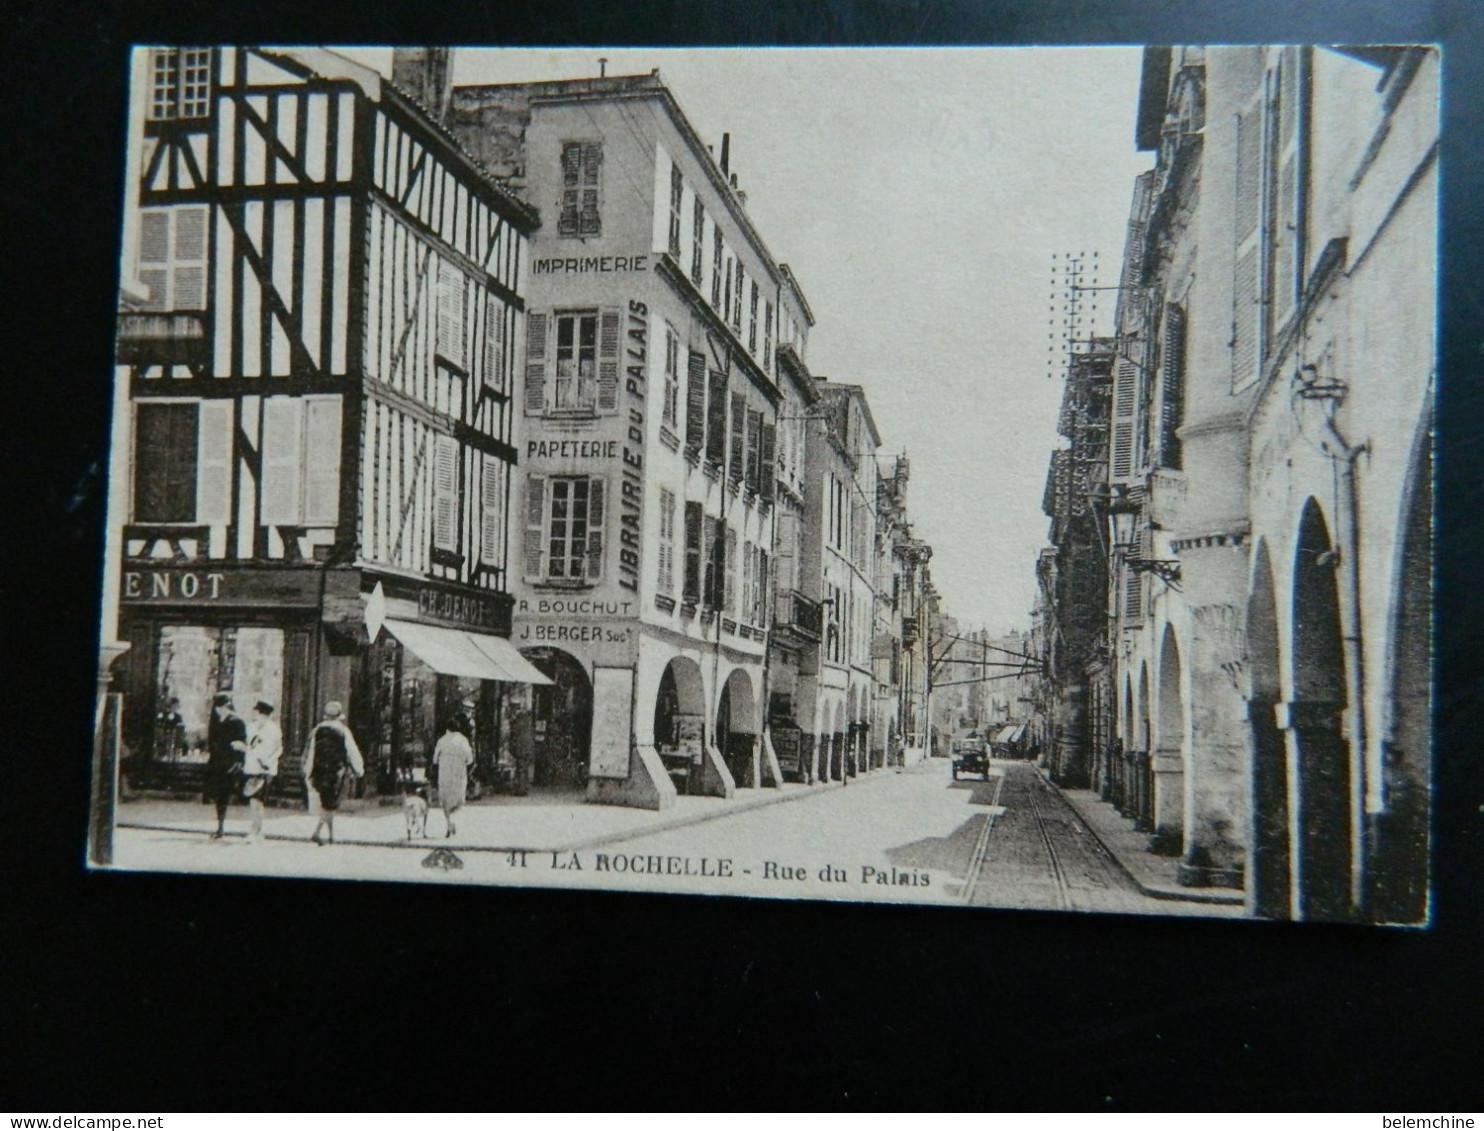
915 836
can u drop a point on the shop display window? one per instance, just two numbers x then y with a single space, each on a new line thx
194 662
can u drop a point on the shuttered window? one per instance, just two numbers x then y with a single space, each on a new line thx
584 371
1284 222
608 343
1125 418
172 257
666 580
753 470
282 461
737 300
451 288
726 306
752 321
695 403
768 487
534 522
165 456
716 418
1172 387
321 461
739 432
582 176
1246 292
537 328
564 528
214 463
760 616
698 241
714 551
729 569
747 594
445 493
768 337
493 371
677 198
694 553
670 413
717 267
491 510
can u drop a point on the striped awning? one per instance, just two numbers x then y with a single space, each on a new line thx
473 655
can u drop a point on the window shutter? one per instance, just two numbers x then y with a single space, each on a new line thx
747 582
697 241
754 454
729 568
535 513
214 463
535 391
445 492
1133 594
716 419
767 457
322 461
762 587
589 219
594 529
695 403
491 513
571 188
190 260
1286 220
281 461
693 523
493 371
451 313
1246 294
710 551
739 425
154 256
1125 408
717 268
1172 382
608 347
737 300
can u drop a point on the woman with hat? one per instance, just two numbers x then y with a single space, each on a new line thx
329 757
226 746
264 747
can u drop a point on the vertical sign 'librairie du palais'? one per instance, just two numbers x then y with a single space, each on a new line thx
472 402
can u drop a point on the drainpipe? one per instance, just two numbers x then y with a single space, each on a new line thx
1346 455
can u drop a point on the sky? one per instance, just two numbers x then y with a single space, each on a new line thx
919 195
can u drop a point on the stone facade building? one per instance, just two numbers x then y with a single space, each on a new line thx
1268 493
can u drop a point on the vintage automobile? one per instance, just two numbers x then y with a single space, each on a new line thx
970 755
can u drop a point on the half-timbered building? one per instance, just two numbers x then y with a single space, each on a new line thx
648 431
320 367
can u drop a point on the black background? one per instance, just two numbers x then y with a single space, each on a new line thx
122 992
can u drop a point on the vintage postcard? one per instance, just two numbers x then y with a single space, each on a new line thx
997 477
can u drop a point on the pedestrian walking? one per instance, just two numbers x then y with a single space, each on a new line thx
264 748
453 756
331 759
226 747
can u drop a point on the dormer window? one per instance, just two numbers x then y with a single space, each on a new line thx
179 83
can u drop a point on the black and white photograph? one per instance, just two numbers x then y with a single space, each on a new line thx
987 477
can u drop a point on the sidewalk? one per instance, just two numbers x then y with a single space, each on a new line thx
1154 875
540 822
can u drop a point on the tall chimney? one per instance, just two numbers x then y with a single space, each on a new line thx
426 74
726 152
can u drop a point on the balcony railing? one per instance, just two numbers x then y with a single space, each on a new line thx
175 337
797 614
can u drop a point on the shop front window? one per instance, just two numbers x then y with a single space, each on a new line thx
194 663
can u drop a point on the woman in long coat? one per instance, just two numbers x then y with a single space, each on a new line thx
226 746
453 756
